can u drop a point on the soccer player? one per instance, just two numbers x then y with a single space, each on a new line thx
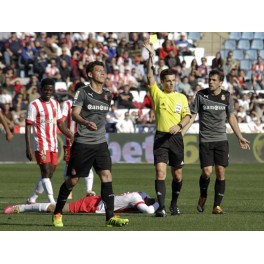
133 202
214 107
44 116
71 125
90 149
171 115
9 135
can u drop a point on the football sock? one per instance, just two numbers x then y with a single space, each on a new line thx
108 199
176 188
89 181
62 198
219 192
38 190
160 192
38 207
48 189
204 183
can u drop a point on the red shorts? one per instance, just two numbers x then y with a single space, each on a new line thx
44 157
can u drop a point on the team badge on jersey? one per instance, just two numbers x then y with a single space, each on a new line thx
42 155
178 108
223 97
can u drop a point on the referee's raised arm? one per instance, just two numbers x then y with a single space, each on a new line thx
149 46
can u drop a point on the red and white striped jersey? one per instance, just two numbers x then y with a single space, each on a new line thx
44 117
71 125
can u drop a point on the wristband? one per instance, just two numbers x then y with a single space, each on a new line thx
180 125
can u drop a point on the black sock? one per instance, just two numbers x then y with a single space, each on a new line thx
175 188
160 192
204 183
62 198
219 192
108 199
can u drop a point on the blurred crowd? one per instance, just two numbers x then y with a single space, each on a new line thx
27 57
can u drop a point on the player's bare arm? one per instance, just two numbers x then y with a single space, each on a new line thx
244 143
78 119
29 152
9 135
189 124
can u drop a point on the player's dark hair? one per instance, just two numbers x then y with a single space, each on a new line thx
47 81
220 74
166 72
91 65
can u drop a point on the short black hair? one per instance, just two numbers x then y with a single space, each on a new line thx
91 65
166 72
47 81
220 74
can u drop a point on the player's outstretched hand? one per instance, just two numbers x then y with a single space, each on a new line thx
244 143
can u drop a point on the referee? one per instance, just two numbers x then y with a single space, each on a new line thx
172 113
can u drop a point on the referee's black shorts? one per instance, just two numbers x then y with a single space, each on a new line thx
214 153
169 149
85 156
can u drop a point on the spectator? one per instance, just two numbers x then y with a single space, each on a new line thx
167 45
183 45
13 49
125 99
258 71
52 70
125 125
217 62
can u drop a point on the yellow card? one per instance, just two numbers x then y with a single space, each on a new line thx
153 38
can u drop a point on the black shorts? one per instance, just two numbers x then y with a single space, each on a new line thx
214 153
85 156
169 149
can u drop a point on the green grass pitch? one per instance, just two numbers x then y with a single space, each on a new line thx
243 201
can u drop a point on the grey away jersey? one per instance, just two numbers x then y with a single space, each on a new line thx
212 111
94 108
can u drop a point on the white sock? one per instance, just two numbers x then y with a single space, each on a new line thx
38 207
48 189
89 181
38 190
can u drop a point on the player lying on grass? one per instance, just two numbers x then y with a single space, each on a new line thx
126 202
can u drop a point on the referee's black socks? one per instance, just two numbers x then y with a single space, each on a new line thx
160 188
219 191
175 188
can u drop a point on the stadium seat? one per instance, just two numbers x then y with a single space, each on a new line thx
251 54
135 95
243 44
257 44
245 65
238 54
194 36
142 95
224 53
258 35
261 53
235 35
188 60
247 35
61 87
230 44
